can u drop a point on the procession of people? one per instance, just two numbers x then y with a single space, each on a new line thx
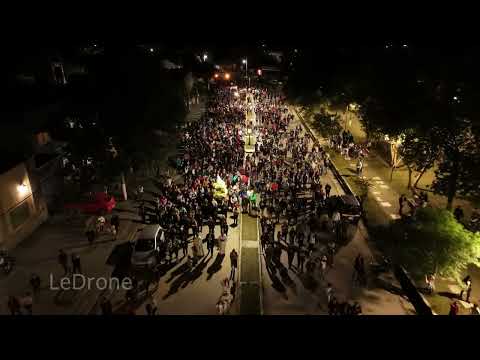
282 180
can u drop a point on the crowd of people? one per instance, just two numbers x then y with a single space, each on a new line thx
282 182
345 144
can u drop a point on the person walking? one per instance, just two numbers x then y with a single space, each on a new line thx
453 309
224 227
301 257
211 226
328 188
27 303
90 236
63 261
475 310
35 282
359 167
401 201
290 255
185 247
458 213
194 226
235 215
467 283
141 212
115 221
76 264
210 244
106 306
234 263
151 307
336 219
329 292
13 305
222 242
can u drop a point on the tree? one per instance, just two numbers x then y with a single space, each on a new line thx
433 244
327 124
418 152
457 171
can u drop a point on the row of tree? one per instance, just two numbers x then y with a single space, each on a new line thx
115 109
424 99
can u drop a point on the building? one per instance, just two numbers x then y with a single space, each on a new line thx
22 206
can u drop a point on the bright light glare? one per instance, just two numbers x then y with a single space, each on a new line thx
227 76
151 49
455 98
22 189
236 94
244 61
205 57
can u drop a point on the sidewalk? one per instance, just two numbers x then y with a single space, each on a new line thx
382 206
38 254
292 293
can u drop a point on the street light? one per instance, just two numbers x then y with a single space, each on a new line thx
22 189
205 57
227 76
245 61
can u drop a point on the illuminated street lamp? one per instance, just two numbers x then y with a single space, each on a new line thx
216 76
245 61
22 189
151 50
227 76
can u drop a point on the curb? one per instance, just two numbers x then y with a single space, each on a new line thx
343 183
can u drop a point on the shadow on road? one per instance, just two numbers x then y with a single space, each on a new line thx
216 266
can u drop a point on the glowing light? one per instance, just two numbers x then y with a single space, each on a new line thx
151 49
216 76
22 189
227 76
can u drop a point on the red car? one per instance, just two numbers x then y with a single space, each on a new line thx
94 203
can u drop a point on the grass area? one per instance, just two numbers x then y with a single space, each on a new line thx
250 299
439 304
249 228
400 176
250 265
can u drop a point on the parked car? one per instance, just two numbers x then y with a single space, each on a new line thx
147 247
93 203
347 205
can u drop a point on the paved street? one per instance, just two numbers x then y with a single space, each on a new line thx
180 292
38 254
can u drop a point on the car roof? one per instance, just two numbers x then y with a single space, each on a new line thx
149 232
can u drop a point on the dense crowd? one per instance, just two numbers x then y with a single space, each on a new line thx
281 182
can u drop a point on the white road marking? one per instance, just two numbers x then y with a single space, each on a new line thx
384 186
376 178
395 216
386 204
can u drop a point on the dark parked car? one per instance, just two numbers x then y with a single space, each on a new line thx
348 206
